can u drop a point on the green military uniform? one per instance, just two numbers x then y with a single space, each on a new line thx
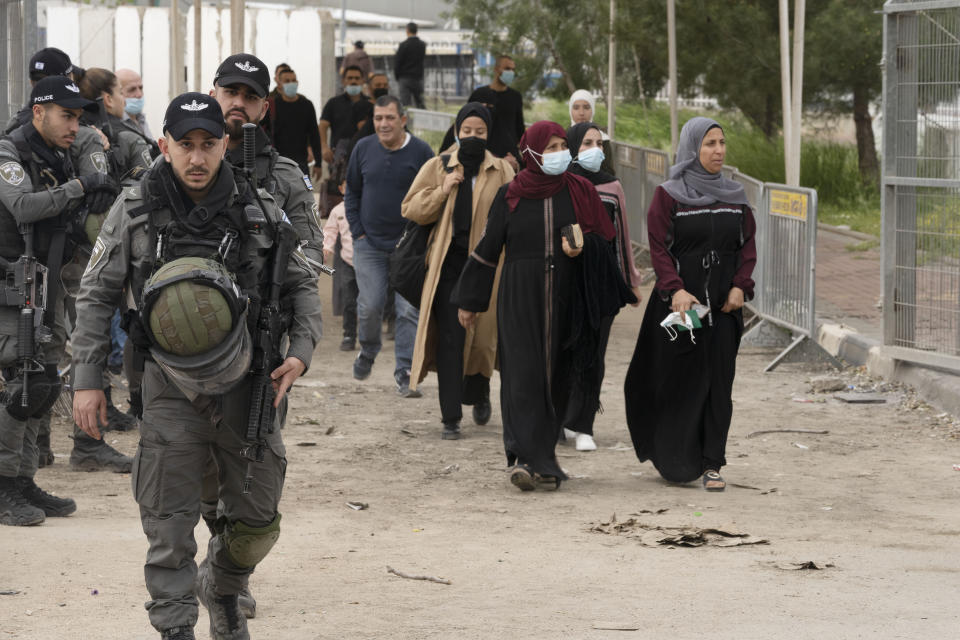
40 203
180 427
43 203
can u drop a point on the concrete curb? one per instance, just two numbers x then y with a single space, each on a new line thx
850 233
939 388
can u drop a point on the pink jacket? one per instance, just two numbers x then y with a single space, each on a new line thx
613 191
337 224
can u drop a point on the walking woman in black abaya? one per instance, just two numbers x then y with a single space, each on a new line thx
679 384
537 295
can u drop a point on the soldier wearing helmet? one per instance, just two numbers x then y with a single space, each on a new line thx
201 256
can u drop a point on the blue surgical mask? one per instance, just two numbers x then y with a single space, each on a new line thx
591 159
353 89
133 106
508 76
290 89
553 163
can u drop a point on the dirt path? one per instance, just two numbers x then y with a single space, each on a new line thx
876 498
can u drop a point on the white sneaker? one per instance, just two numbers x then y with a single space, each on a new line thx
569 435
585 442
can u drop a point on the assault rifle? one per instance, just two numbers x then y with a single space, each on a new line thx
270 326
25 286
104 124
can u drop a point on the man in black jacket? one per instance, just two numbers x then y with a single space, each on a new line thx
408 67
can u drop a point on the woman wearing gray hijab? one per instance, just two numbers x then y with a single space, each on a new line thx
678 387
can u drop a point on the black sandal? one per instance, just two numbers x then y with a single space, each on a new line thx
713 481
550 483
522 478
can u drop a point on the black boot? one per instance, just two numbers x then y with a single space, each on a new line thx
95 455
451 430
226 620
245 599
481 412
116 419
178 633
52 506
15 510
43 447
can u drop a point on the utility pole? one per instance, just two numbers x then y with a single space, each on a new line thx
237 11
197 75
178 78
343 28
612 73
796 108
672 64
785 91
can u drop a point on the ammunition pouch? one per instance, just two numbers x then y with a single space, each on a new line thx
44 389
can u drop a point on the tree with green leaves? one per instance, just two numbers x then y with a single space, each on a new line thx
844 47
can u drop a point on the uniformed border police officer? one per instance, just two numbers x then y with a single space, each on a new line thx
190 203
41 205
88 157
240 87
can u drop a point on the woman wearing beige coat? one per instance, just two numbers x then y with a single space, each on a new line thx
454 192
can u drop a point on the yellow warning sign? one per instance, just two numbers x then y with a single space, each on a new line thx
788 204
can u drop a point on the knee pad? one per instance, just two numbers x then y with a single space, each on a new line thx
246 546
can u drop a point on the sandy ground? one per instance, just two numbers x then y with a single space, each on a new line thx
876 498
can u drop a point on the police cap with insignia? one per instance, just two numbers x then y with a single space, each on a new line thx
50 62
243 68
190 111
62 91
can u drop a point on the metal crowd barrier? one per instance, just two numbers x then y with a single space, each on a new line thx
640 171
785 275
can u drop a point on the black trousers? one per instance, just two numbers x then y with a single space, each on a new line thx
582 406
348 297
455 390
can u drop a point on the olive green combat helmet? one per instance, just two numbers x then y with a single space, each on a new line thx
190 316
196 319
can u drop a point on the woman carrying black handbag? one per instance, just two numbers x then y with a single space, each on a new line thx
453 193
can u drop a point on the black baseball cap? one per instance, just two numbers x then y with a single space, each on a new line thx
62 91
50 62
243 68
190 111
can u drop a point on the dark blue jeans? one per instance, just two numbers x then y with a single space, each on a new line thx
372 267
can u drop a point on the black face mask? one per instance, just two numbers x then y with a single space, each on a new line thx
377 93
471 153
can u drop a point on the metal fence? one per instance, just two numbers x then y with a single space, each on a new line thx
640 171
921 181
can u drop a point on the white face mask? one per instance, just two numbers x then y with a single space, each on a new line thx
553 163
685 321
591 159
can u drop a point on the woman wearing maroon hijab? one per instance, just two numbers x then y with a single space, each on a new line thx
538 288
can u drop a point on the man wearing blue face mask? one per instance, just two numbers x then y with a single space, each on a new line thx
508 124
131 87
294 122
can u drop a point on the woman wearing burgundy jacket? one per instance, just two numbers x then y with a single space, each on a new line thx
679 384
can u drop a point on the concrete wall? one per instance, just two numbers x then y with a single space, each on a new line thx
139 38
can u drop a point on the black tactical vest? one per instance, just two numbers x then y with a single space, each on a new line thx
235 236
42 177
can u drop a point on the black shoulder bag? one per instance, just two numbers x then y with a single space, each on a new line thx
408 262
